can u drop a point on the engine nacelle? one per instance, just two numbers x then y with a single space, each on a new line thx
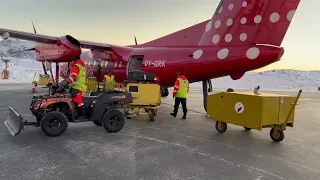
63 51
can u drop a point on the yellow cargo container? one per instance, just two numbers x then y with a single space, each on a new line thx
145 96
253 111
44 80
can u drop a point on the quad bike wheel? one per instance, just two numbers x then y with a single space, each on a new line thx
113 121
54 123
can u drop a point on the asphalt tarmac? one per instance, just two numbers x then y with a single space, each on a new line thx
168 148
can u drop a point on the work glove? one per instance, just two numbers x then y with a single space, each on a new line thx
63 83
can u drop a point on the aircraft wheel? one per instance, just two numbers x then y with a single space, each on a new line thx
230 90
164 92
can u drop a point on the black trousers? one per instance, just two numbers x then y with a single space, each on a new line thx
183 102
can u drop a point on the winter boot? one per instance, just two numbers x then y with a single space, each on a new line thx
173 114
81 113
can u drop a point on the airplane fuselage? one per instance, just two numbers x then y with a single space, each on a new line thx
198 63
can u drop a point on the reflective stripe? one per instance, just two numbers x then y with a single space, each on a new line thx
71 79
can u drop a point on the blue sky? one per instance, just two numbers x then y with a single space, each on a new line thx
117 21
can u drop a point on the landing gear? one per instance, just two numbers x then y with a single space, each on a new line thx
164 92
205 91
230 90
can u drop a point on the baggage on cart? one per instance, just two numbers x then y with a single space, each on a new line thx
253 111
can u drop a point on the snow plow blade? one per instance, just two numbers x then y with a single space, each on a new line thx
14 122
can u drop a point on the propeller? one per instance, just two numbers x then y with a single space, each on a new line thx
43 66
31 49
135 39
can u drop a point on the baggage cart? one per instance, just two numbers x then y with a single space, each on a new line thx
253 111
145 97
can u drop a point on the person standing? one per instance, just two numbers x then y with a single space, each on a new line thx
109 80
180 93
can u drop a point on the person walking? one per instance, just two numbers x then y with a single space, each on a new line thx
180 93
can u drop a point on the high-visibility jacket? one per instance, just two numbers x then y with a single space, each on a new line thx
77 79
181 87
109 82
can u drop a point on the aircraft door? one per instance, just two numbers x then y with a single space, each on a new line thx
134 64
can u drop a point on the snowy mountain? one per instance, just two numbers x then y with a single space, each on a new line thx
285 79
13 45
23 67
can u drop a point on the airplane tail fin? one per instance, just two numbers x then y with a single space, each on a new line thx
245 22
236 23
189 36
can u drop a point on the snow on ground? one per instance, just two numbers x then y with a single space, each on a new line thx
19 74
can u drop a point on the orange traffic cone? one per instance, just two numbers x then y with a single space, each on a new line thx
33 87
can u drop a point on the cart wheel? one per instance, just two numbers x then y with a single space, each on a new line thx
221 126
248 129
276 135
152 115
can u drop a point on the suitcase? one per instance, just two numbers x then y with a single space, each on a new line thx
135 76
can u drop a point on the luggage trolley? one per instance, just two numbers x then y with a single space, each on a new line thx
145 95
253 111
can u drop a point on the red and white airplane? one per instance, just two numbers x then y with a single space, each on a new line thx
241 36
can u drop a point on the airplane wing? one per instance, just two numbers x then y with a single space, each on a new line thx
50 39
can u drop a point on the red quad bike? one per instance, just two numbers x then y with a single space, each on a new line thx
54 112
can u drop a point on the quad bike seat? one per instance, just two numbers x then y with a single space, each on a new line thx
88 99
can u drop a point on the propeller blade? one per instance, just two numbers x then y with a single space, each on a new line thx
31 49
43 65
34 29
135 39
